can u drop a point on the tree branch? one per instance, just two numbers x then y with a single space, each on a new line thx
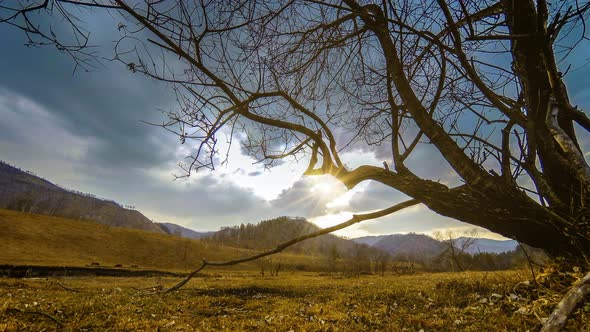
581 118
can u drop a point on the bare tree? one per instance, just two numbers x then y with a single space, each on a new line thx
478 81
262 264
380 260
457 245
360 262
274 267
332 258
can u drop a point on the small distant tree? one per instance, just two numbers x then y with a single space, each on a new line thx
360 261
380 259
332 258
274 266
403 267
457 245
262 265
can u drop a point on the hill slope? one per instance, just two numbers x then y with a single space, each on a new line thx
43 240
25 192
32 239
410 245
369 240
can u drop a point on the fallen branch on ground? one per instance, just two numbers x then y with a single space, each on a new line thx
567 305
40 313
355 219
67 288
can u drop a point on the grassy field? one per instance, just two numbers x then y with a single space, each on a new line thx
31 239
291 302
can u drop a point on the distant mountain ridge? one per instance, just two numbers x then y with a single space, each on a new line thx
174 229
414 244
26 192
490 246
405 245
369 240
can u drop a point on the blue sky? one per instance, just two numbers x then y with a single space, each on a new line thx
84 130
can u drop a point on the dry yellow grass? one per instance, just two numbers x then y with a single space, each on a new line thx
474 301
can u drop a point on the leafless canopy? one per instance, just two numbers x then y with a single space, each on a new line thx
480 81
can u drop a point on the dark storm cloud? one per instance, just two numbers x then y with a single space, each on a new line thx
427 162
27 126
107 104
416 218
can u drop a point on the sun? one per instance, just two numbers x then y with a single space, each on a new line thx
325 185
323 188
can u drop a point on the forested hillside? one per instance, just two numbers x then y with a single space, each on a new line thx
268 234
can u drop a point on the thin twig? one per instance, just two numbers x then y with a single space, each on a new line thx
40 313
67 288
355 219
529 261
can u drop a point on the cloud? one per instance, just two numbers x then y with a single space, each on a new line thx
31 135
205 202
106 106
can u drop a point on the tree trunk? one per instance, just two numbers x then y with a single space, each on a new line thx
534 63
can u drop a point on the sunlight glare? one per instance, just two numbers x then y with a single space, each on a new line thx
323 188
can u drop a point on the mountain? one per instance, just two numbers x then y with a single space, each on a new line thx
270 233
489 245
23 191
369 240
407 245
174 229
404 244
